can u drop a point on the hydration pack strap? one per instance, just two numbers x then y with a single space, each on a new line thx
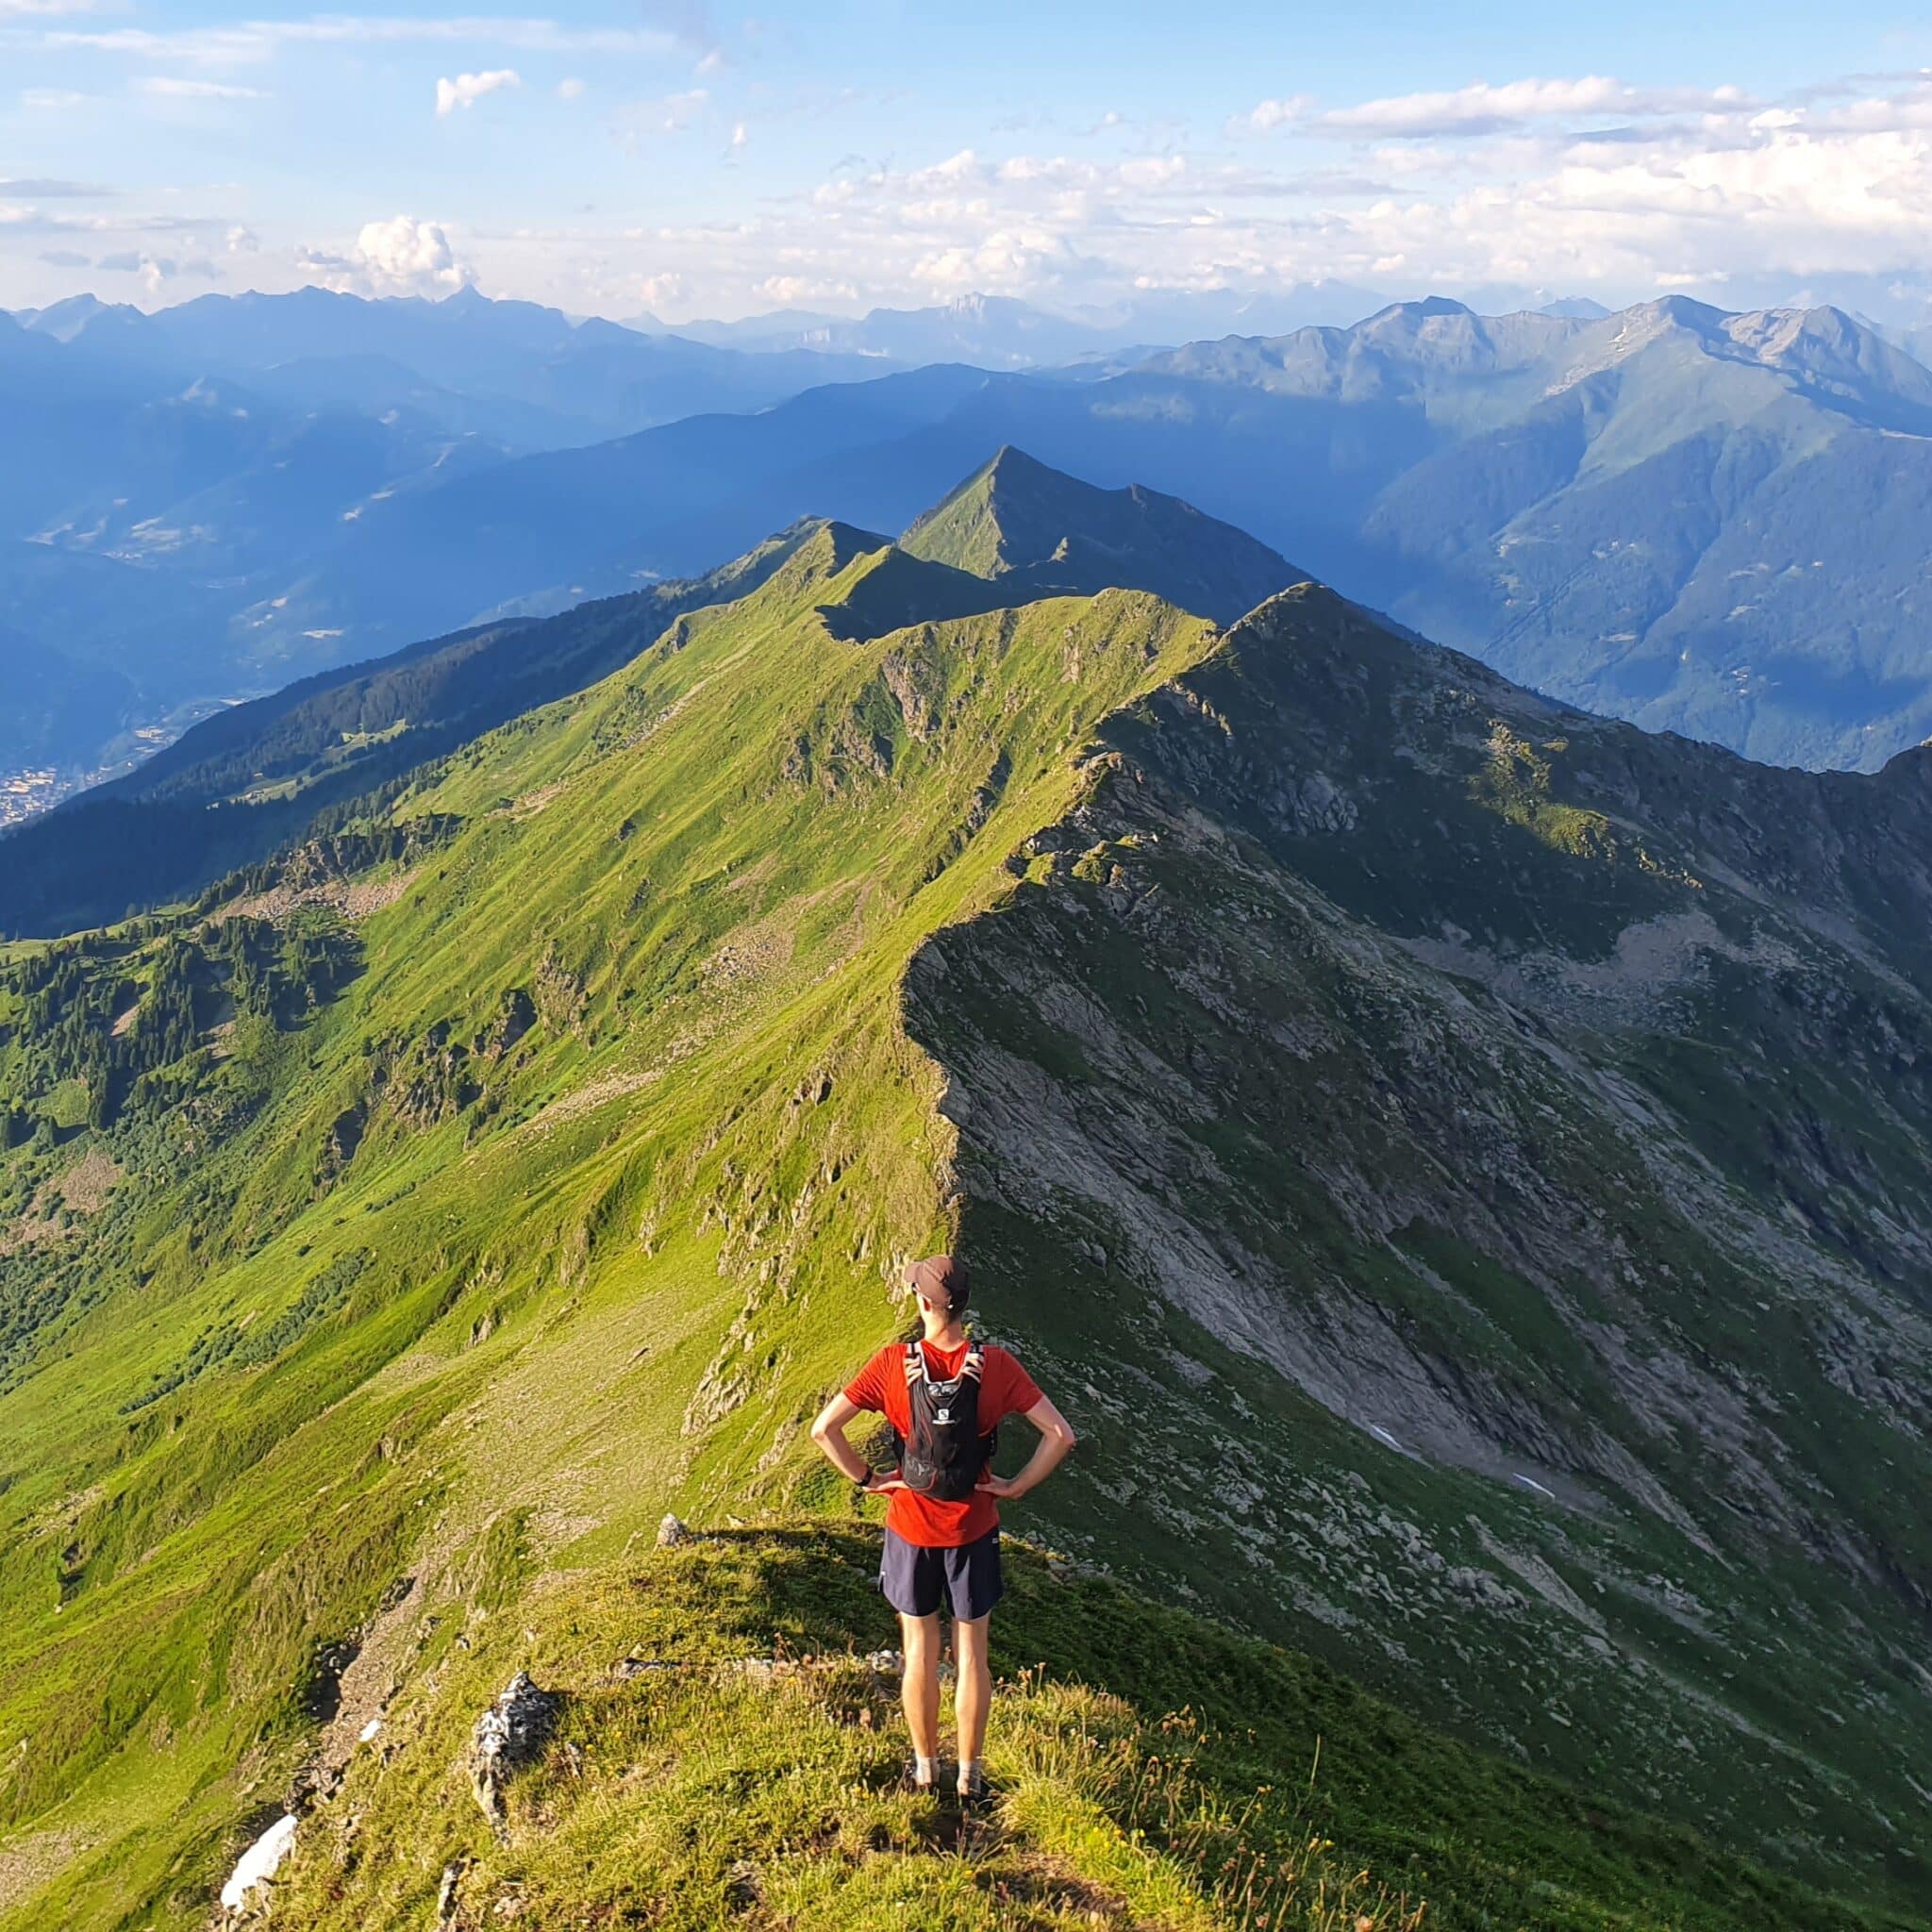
917 1369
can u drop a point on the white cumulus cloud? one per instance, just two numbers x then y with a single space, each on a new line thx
402 256
466 89
1280 112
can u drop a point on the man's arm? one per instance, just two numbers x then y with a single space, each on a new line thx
829 1432
1056 1439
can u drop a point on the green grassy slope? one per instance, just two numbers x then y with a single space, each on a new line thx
615 1103
1155 1770
251 778
462 1199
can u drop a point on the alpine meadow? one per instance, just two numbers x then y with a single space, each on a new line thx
1360 866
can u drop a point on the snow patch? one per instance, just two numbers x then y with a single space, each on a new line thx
260 1861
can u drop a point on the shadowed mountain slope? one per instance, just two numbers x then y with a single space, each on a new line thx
1461 1164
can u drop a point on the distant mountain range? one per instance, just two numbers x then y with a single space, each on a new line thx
999 332
178 483
172 480
1704 521
523 374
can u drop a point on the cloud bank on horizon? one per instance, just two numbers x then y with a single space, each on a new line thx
641 156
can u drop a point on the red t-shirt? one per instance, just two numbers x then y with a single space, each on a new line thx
1005 1388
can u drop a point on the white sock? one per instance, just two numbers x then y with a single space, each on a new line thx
924 1770
969 1772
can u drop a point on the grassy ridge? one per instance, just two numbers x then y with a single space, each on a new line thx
704 880
1155 1770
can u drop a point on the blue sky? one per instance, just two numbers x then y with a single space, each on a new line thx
616 155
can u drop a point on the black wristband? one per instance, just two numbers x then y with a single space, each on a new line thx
864 1482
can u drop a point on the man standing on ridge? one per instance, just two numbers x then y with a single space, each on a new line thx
945 1395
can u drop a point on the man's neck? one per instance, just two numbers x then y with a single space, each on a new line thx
947 1334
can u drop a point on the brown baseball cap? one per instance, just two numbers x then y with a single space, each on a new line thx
940 1279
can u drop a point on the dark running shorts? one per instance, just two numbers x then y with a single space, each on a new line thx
917 1580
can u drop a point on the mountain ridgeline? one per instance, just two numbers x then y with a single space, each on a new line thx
261 775
1700 521
1703 522
1032 532
1461 1164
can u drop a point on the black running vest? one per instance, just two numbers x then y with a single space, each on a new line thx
946 1454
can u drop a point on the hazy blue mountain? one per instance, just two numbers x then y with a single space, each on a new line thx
78 314
542 532
787 327
1914 339
575 381
1703 522
998 332
994 331
175 482
148 528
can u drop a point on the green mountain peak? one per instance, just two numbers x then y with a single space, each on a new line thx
1030 526
995 520
833 546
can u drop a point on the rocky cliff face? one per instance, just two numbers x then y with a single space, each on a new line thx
1393 1071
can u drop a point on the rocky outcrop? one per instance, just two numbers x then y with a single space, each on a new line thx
508 1735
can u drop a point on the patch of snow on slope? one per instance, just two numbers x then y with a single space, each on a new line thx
260 1861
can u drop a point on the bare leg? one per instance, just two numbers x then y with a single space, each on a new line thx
974 1693
919 1688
